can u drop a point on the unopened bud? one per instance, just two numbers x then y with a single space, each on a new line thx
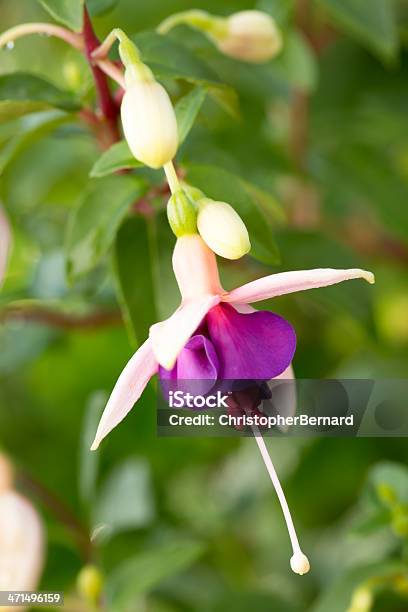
399 521
252 36
149 123
148 117
361 601
90 584
222 229
386 494
182 214
22 543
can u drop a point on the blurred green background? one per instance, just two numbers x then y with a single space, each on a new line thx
320 136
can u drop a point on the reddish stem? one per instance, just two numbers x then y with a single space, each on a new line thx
109 108
60 510
53 318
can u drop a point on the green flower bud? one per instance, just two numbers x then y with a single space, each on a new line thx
193 193
90 584
386 494
399 521
182 214
362 600
222 228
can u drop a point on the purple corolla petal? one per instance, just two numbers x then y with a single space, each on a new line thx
170 336
289 282
258 345
128 389
196 369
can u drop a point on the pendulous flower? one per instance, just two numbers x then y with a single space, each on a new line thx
215 335
215 331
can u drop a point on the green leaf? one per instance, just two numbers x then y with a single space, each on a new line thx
134 273
117 157
187 109
22 93
394 476
371 173
297 62
126 499
100 7
372 23
93 224
21 344
227 98
169 59
29 129
371 523
68 12
145 571
89 461
280 10
219 184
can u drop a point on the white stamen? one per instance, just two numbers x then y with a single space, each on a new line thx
298 562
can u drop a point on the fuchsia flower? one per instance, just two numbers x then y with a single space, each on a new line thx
214 334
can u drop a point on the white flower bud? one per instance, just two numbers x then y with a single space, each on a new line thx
149 122
222 229
251 36
21 539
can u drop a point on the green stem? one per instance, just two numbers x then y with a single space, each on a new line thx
172 177
201 20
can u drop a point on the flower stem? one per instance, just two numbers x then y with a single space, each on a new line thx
9 36
19 311
109 108
112 71
102 51
172 177
60 510
299 562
